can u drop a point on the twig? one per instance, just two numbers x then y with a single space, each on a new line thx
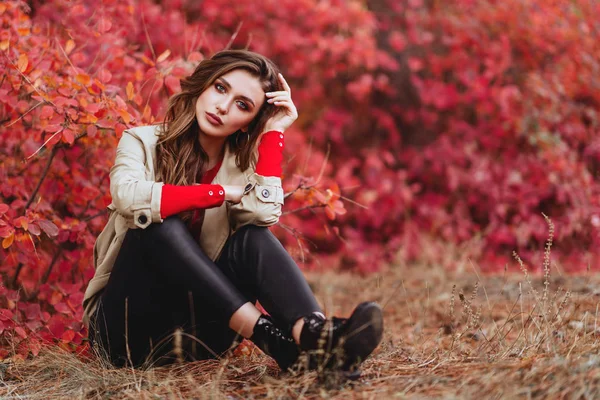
237 30
24 114
44 144
304 208
54 259
44 174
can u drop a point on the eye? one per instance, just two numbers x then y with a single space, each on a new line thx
220 87
242 105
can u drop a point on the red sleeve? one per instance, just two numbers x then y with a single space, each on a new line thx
270 154
175 199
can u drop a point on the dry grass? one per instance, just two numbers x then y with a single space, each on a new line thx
447 335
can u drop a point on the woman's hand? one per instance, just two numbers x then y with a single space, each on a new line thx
233 193
287 112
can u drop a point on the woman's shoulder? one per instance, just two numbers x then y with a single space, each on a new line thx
148 134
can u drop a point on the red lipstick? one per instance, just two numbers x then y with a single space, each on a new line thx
213 119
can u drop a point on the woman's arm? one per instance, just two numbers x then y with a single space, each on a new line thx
263 195
270 154
134 196
176 199
262 199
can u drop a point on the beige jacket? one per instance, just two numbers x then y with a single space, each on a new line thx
136 204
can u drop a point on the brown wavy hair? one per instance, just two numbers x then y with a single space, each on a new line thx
179 156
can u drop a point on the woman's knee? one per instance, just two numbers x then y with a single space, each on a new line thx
253 235
170 227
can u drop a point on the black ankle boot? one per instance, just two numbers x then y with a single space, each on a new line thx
340 343
274 342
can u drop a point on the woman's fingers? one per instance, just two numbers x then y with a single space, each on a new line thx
285 84
278 93
279 98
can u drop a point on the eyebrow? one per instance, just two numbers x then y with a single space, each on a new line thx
249 100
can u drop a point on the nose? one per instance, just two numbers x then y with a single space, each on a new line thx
222 108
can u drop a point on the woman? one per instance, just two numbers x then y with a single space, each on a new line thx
186 252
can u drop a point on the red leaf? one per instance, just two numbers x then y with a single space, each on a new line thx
172 83
62 308
68 336
92 130
3 208
34 325
6 231
34 228
21 332
35 347
47 112
32 311
68 136
104 24
5 315
48 227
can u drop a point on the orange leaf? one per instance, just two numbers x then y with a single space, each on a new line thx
163 56
22 62
125 115
21 221
8 241
55 298
330 213
69 46
84 79
4 44
147 113
129 90
147 61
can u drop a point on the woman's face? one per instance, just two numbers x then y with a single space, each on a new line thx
230 104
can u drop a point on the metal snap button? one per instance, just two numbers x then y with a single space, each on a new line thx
220 192
280 144
210 193
248 187
265 193
142 219
281 136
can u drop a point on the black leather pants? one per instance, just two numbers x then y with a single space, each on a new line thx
162 280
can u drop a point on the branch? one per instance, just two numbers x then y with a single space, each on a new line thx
305 208
94 216
44 174
13 283
54 260
237 30
24 114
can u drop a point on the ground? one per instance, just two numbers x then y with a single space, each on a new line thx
447 335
